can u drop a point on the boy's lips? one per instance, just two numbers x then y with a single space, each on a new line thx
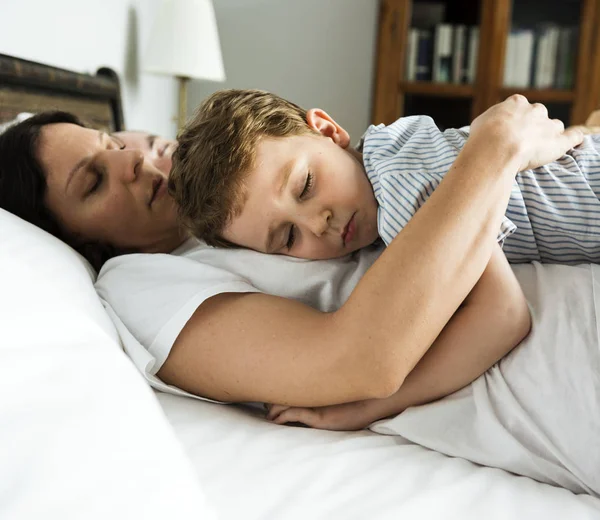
158 188
349 230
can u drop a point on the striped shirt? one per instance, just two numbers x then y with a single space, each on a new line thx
553 215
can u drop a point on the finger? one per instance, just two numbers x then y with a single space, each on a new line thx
518 98
293 415
572 137
559 124
275 410
540 108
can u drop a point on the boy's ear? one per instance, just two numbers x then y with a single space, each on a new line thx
322 122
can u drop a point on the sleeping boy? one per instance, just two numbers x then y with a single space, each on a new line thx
318 198
257 171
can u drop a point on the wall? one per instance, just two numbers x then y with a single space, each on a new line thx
83 35
315 52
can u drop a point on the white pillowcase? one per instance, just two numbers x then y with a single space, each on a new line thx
81 433
20 117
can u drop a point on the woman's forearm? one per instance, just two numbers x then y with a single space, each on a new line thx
429 268
494 319
411 292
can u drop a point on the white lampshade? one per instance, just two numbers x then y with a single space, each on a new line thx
185 42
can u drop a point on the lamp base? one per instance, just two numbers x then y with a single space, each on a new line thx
183 81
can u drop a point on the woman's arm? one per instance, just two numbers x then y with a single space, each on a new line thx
492 321
255 347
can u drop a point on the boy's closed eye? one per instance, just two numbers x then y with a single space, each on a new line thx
308 185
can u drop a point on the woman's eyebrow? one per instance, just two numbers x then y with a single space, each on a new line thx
81 163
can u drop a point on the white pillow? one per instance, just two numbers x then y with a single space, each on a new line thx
81 433
20 117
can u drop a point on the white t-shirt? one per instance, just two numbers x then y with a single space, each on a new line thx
150 297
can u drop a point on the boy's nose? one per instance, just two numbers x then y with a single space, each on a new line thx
319 223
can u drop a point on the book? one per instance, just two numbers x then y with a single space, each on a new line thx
571 60
545 55
510 58
472 53
459 43
412 45
523 58
423 69
442 54
539 57
565 58
552 54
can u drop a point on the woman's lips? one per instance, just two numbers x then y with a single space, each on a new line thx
349 231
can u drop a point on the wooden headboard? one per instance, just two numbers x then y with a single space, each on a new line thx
27 86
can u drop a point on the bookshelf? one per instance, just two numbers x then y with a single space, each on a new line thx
549 52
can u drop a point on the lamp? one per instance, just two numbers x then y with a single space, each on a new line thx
184 43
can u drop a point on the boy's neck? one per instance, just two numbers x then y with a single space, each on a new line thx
356 154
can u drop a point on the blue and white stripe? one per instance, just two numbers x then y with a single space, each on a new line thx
553 214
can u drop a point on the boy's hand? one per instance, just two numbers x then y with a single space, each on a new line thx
340 417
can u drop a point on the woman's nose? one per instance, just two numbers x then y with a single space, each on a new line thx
126 164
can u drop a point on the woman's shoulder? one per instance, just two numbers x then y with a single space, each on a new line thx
193 262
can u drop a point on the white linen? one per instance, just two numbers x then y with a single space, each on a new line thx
20 117
151 297
537 412
297 473
81 434
253 469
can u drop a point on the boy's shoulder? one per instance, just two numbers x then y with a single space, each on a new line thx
404 126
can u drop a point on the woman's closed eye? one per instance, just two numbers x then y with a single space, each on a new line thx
98 173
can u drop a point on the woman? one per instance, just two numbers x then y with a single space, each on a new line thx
525 403
229 341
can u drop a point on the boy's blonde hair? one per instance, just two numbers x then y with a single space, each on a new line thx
217 147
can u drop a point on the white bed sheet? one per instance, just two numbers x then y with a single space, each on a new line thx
253 469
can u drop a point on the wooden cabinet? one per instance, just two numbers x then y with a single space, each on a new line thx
457 104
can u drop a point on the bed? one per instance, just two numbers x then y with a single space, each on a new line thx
85 437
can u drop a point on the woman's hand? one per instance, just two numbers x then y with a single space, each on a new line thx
519 125
340 417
